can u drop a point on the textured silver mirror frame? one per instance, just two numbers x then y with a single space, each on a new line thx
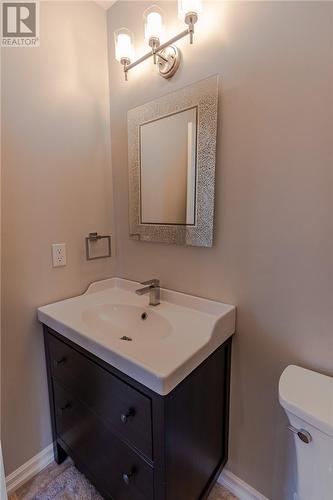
203 95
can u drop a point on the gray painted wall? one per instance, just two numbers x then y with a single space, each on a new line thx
273 248
55 188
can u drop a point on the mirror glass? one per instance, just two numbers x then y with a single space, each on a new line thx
168 168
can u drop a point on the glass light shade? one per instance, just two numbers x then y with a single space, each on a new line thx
153 23
189 6
124 43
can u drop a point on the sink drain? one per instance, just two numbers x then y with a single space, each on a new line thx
144 315
126 338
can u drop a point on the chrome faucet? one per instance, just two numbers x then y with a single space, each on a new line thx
153 288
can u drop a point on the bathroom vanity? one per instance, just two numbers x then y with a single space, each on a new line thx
138 433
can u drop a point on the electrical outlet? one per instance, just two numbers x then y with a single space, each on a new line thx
59 254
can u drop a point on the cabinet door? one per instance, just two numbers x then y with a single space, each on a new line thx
116 468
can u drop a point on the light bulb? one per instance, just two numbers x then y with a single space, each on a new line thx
187 7
124 45
153 24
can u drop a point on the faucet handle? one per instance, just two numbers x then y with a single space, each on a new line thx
154 282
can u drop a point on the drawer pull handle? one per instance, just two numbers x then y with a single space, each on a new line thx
127 476
125 416
60 361
64 408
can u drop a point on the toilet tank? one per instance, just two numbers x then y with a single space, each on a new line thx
307 398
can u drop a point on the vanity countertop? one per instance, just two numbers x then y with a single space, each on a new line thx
157 346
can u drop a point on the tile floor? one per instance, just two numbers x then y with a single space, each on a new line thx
65 482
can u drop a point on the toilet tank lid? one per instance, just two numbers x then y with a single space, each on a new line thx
309 396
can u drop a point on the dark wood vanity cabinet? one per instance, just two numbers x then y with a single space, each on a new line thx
130 442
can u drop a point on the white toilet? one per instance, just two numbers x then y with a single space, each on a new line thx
307 398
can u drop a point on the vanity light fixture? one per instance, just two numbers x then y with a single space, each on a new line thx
124 43
165 55
153 28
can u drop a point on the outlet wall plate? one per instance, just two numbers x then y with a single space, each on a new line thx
59 254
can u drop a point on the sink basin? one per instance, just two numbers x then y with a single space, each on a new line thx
157 346
127 322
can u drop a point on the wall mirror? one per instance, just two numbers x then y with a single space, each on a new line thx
172 149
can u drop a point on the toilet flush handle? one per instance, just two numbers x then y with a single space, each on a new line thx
304 435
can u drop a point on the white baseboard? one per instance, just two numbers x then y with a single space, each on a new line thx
29 469
239 488
37 463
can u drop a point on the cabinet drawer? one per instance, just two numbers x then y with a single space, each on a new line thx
124 409
115 467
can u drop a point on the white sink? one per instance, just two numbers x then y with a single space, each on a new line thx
132 322
157 346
